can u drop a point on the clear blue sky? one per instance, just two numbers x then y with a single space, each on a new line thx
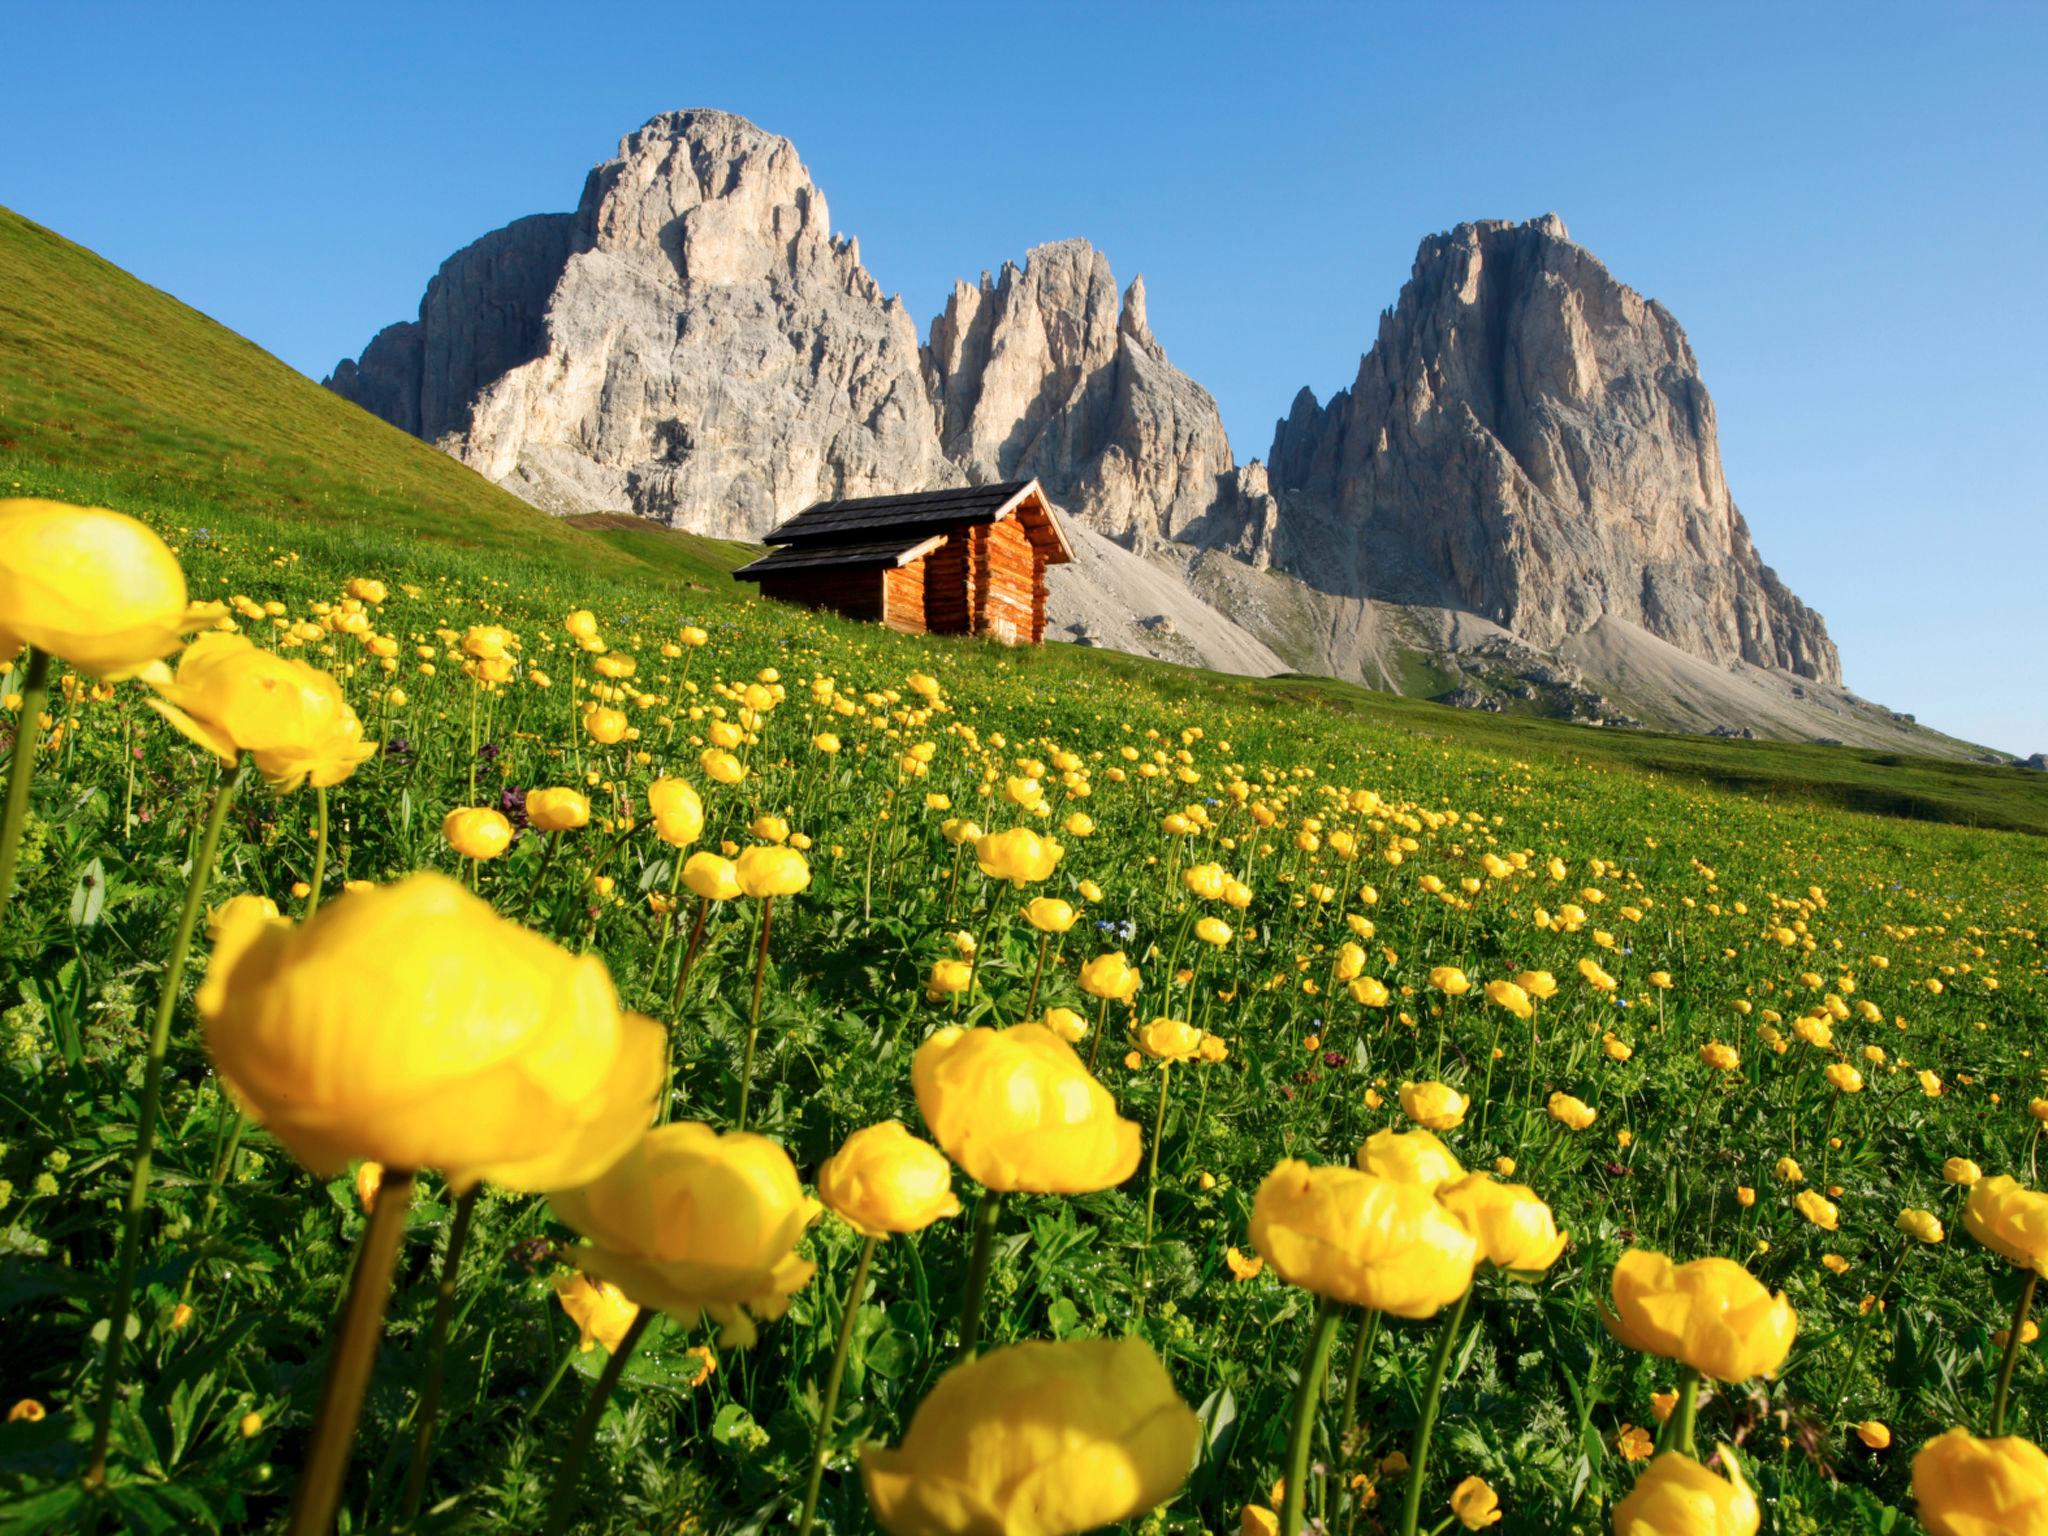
1845 205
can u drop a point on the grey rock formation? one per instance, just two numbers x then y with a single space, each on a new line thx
1530 441
1039 372
693 344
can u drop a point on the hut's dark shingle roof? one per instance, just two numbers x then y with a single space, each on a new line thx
845 522
899 550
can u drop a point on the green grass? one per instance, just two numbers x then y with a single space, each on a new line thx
114 393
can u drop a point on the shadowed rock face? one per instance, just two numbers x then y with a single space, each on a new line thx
1530 441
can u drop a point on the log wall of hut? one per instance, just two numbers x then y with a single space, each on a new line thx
949 606
903 598
1007 567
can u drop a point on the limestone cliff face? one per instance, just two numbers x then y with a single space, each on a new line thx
692 344
1530 441
1040 372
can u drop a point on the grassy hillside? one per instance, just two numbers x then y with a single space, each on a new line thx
115 393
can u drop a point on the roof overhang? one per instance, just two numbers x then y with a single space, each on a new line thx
891 554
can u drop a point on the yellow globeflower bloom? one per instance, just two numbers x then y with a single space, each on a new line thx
1019 855
1960 1170
1365 1240
582 624
605 725
1475 1504
1509 996
1677 1496
1409 1157
1066 1023
1573 1114
689 1222
412 1025
711 876
1845 1077
1922 1225
1515 1229
1436 1106
1818 1209
884 1180
1596 976
1213 930
947 978
771 871
1370 991
1170 1040
1036 1439
96 589
1722 1058
477 832
1048 914
1205 880
678 812
557 810
1711 1314
245 908
232 697
1449 980
2010 1220
1110 976
601 1311
1970 1487
1018 1111
1874 1433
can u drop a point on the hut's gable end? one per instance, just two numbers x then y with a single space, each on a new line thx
1009 567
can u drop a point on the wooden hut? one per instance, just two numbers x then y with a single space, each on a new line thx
966 561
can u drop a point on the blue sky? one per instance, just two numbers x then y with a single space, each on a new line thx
1845 206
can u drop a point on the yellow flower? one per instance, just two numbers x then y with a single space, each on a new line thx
1711 1314
1596 976
1722 1058
1257 1520
1745 1196
244 908
1507 995
1960 1170
600 1310
770 871
230 698
1874 1433
1066 1023
411 1024
1789 1170
947 978
1365 1240
2010 1220
1475 1504
1818 1209
1845 1077
1661 980
1169 1040
711 876
1019 856
1515 1229
1048 914
1242 1268
1970 1487
1018 1111
557 810
1213 930
1370 991
477 832
1205 880
1434 1106
1573 1114
94 588
1036 1439
1409 1157
1110 976
1538 984
1677 1496
678 812
884 1180
1449 980
1923 1225
582 624
689 1222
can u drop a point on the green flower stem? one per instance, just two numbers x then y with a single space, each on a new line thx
563 1504
1152 1181
1362 1341
355 1352
988 918
754 1013
1863 1324
319 852
830 1404
551 841
145 1127
1827 1138
35 690
986 1218
1308 1391
437 1355
222 1170
1418 1456
1677 1434
1037 975
1101 1023
2012 1353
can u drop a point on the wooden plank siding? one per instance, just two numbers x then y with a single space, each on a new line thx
903 598
856 593
949 585
1008 570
